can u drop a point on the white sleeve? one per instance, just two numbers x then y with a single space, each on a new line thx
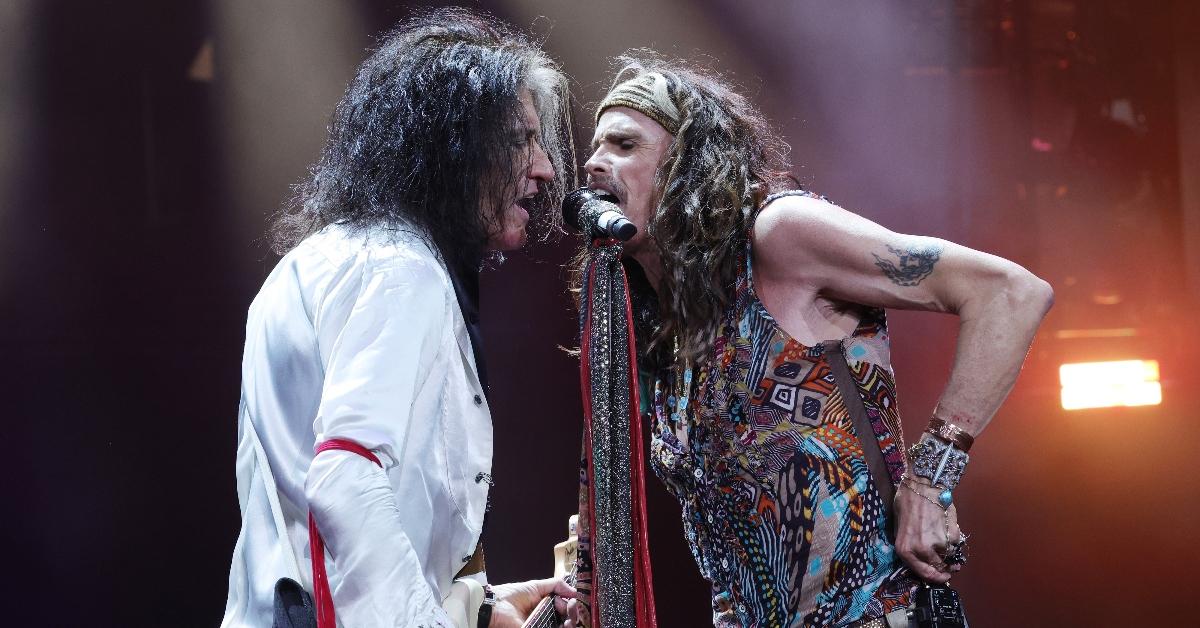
381 332
382 581
384 329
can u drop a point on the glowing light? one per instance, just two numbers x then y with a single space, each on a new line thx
1110 384
1041 145
1116 332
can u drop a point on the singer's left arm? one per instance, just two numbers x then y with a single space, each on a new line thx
811 246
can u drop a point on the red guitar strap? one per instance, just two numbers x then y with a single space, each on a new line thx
321 594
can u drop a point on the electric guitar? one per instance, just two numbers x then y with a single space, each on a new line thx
544 614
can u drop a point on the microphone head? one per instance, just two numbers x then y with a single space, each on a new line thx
574 203
624 230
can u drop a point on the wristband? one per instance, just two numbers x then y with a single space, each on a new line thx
950 433
485 609
940 463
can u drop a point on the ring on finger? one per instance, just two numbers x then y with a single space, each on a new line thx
957 554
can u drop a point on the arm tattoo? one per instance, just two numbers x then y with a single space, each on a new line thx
916 263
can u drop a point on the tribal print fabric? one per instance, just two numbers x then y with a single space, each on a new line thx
778 504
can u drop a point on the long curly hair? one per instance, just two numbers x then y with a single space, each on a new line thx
428 134
724 161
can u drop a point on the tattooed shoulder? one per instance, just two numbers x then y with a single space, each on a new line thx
909 266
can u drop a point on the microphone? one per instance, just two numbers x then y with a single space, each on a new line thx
595 213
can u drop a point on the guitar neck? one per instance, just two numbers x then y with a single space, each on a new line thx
544 615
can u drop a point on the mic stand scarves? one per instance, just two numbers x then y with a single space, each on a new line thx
613 564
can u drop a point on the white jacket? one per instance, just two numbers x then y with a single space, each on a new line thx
359 337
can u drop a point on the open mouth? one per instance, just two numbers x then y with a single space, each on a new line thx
526 203
606 194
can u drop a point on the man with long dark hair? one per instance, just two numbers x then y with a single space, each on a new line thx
766 357
363 343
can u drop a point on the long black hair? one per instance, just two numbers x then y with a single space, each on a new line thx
424 138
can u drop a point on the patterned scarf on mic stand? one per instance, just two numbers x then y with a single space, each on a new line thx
613 564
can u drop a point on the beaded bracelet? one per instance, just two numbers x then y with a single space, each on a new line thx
944 504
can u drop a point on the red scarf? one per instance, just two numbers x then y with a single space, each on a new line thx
613 565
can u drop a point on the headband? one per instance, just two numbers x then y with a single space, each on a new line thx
648 94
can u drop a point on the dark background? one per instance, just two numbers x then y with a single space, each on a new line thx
144 144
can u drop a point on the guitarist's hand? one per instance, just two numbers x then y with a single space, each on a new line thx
516 600
577 616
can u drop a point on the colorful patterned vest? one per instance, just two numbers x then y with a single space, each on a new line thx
778 503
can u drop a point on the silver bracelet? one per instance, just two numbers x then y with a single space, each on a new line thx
939 462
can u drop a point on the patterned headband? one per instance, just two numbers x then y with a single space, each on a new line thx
648 94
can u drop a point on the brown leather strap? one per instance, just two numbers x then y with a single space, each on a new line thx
950 433
862 427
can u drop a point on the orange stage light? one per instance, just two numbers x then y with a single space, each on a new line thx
1110 384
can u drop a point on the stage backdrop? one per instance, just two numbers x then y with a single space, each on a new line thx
144 144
